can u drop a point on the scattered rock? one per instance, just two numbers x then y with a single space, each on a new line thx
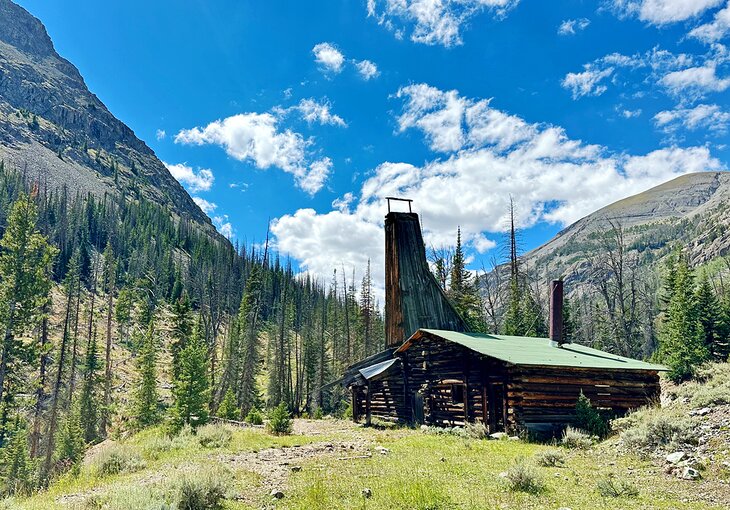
674 458
296 469
498 435
514 438
366 493
382 450
443 459
700 412
565 508
277 494
689 473
503 474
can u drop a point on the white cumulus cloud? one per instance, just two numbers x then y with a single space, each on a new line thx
695 82
205 206
185 175
488 156
716 29
328 57
662 12
256 138
367 69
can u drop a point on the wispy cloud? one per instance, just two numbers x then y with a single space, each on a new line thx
433 22
702 116
572 26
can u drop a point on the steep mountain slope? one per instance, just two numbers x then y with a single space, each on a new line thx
693 210
53 127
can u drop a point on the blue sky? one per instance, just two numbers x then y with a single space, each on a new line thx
306 114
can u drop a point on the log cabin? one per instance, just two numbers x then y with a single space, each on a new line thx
435 372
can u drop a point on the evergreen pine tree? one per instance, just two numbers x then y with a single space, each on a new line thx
25 264
191 391
228 410
16 466
248 352
182 326
570 326
146 399
681 340
70 445
463 291
709 315
89 401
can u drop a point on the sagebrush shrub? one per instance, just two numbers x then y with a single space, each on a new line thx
652 428
115 459
576 438
611 487
214 436
524 478
476 430
201 490
550 458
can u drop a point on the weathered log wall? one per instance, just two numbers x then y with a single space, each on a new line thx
544 398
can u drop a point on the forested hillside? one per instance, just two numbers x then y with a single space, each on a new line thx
125 309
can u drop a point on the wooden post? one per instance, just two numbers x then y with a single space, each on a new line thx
367 406
355 414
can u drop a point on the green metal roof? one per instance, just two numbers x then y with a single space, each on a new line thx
520 350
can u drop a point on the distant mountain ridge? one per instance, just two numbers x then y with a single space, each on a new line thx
692 210
55 130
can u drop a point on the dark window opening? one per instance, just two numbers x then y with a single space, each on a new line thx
457 393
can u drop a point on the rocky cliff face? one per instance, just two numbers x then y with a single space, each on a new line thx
692 211
56 131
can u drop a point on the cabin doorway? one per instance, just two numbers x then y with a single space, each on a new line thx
418 414
495 420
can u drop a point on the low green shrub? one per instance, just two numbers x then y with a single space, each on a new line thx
214 436
522 477
589 418
710 388
612 487
550 458
254 417
127 497
655 427
318 414
280 423
576 438
117 458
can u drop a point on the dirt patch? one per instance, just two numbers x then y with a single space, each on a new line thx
276 465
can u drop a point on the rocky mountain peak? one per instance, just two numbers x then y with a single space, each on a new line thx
52 126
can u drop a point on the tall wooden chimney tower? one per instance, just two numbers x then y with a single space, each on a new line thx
413 297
